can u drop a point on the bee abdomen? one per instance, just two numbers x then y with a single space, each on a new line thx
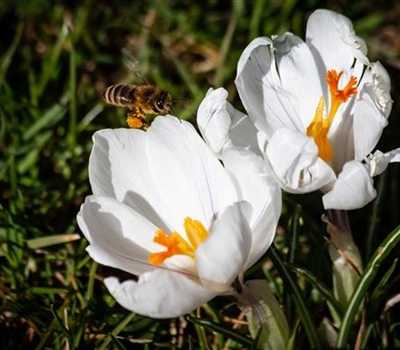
120 94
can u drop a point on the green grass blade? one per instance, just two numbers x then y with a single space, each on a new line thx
117 343
325 292
50 64
49 118
372 233
117 330
7 57
219 328
366 280
60 323
47 241
298 299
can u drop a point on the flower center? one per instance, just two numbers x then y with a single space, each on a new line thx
319 127
176 244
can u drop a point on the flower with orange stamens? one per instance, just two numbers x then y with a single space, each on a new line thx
166 210
318 108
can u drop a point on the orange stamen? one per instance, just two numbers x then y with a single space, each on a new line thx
176 244
319 127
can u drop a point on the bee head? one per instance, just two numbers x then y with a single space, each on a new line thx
164 102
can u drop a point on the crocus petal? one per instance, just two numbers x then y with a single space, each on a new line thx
371 110
187 176
253 67
257 187
299 79
160 171
295 162
220 258
222 126
117 146
352 190
119 237
379 161
214 121
118 168
243 133
333 42
278 82
341 137
159 294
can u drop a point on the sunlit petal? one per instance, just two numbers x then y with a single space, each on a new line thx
379 161
257 187
353 189
332 40
295 162
188 178
214 120
118 236
222 126
159 294
371 110
257 80
222 256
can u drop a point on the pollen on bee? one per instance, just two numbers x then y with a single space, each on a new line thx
135 120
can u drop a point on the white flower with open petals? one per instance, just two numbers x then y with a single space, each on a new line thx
319 106
166 210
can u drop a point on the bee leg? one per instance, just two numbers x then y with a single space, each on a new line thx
135 120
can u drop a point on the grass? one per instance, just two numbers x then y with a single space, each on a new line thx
54 61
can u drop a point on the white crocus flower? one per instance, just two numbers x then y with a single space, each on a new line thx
167 211
320 108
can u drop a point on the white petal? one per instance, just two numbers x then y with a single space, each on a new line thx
167 170
279 86
379 161
254 64
118 168
256 186
299 77
352 190
222 126
341 138
243 132
112 161
332 40
295 162
372 108
214 121
119 237
159 294
221 257
187 177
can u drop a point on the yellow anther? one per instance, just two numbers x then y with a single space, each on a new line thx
176 244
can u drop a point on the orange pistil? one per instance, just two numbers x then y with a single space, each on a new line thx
176 244
319 127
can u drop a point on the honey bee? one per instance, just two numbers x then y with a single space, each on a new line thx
141 100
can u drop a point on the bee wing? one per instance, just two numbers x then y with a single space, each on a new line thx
132 63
